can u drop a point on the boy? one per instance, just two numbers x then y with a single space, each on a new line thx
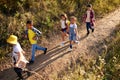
33 34
64 27
17 56
89 18
73 32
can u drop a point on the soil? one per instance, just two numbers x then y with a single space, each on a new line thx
58 58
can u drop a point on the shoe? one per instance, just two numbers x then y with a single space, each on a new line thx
70 49
20 79
24 69
31 62
92 30
45 51
28 73
62 44
88 34
77 42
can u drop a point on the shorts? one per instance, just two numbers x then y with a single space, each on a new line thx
64 30
72 37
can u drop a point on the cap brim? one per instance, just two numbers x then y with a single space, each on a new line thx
11 42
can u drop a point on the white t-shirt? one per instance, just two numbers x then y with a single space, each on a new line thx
72 28
88 16
63 23
17 48
73 25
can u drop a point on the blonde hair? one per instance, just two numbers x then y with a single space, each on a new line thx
73 17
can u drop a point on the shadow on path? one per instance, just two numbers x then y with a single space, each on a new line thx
41 61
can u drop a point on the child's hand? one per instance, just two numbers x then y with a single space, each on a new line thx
16 65
35 38
25 36
23 52
94 23
93 20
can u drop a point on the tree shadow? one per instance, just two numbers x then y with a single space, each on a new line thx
7 74
82 38
56 47
48 58
40 62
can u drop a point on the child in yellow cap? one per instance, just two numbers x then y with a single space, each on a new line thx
17 56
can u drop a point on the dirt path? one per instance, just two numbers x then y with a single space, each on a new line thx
58 57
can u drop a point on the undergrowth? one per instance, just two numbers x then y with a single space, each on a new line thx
105 67
45 14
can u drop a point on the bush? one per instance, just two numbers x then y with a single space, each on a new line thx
44 13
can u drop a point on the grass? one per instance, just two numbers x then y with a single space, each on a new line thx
105 67
45 15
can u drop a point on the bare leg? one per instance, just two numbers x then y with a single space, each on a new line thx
63 36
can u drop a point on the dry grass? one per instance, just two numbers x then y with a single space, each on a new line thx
105 67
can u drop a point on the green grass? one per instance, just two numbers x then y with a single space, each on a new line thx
45 14
112 68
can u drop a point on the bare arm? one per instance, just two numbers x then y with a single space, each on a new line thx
59 24
23 52
76 31
93 16
19 57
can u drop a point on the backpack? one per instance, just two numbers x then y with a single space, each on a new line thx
36 31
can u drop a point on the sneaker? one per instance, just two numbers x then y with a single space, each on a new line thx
77 42
62 44
31 62
70 49
88 34
92 30
45 51
20 79
28 73
24 69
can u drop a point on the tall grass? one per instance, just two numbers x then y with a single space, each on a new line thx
44 13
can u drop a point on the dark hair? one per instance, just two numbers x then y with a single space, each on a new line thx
64 15
89 5
29 22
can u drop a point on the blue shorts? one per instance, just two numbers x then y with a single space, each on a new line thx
72 37
64 30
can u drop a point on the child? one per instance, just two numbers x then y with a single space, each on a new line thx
33 34
64 27
17 56
89 19
73 33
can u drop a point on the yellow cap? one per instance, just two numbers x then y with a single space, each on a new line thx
12 39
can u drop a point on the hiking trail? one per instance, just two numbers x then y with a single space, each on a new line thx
57 58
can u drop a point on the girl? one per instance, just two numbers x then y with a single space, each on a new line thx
72 31
89 18
64 27
17 56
